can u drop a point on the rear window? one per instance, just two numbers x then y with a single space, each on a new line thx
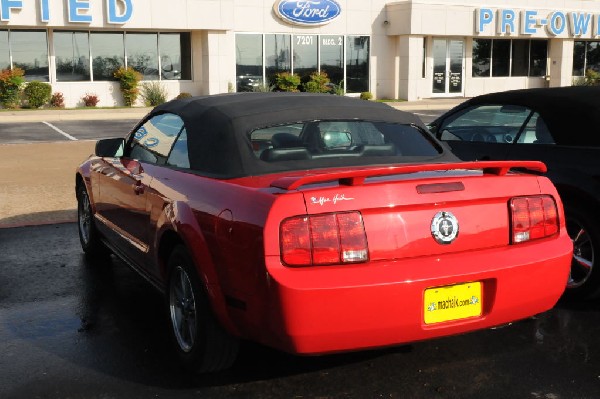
358 142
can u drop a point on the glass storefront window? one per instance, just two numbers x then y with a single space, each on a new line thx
248 62
538 58
579 59
305 55
593 56
142 54
30 52
357 64
520 58
482 55
500 57
175 56
108 54
4 51
277 55
332 57
72 52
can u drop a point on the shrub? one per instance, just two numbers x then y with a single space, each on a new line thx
318 83
37 93
90 100
262 88
183 94
338 89
285 81
129 79
153 94
592 78
11 82
366 95
57 100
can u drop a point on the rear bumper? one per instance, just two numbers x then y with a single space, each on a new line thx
331 309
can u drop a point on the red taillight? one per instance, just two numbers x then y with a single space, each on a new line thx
327 239
533 217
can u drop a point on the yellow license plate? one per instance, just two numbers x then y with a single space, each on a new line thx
453 302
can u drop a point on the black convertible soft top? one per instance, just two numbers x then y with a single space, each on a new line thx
572 113
218 126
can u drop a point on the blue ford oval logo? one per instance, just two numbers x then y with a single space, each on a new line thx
308 12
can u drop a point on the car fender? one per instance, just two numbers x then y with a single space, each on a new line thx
179 218
83 175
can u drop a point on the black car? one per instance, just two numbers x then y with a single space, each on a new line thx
558 126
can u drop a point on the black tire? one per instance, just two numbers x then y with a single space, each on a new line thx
584 279
88 235
200 342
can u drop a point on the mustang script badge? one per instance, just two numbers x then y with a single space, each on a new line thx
444 227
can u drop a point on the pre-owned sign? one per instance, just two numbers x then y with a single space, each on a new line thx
118 11
530 22
308 12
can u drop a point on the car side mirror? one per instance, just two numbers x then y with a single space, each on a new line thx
432 127
110 147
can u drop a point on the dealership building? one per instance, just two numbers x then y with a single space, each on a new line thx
409 49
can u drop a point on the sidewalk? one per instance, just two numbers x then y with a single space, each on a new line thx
50 115
37 180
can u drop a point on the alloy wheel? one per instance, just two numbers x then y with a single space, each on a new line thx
84 214
583 254
183 309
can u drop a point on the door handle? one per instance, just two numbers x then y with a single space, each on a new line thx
138 187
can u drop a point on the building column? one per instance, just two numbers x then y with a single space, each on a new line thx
560 60
217 74
410 68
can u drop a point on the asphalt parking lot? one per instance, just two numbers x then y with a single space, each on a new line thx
75 328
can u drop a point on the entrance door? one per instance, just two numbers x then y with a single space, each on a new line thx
448 56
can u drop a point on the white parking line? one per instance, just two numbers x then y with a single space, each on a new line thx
67 135
432 116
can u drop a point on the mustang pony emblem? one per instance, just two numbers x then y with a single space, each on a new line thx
444 227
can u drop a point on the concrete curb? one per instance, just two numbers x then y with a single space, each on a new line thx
49 115
73 114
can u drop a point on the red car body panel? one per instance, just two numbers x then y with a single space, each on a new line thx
233 228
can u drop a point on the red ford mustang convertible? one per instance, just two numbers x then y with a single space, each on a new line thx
316 224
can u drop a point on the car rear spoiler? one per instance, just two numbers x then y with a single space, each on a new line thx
357 177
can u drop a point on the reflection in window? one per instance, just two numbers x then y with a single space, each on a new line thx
357 64
520 58
30 52
482 55
4 51
332 57
142 54
277 55
538 58
152 141
593 56
424 57
305 55
248 62
500 57
493 57
72 51
108 54
579 59
175 56
179 154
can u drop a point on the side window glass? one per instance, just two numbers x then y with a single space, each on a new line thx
179 154
486 123
536 132
153 141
